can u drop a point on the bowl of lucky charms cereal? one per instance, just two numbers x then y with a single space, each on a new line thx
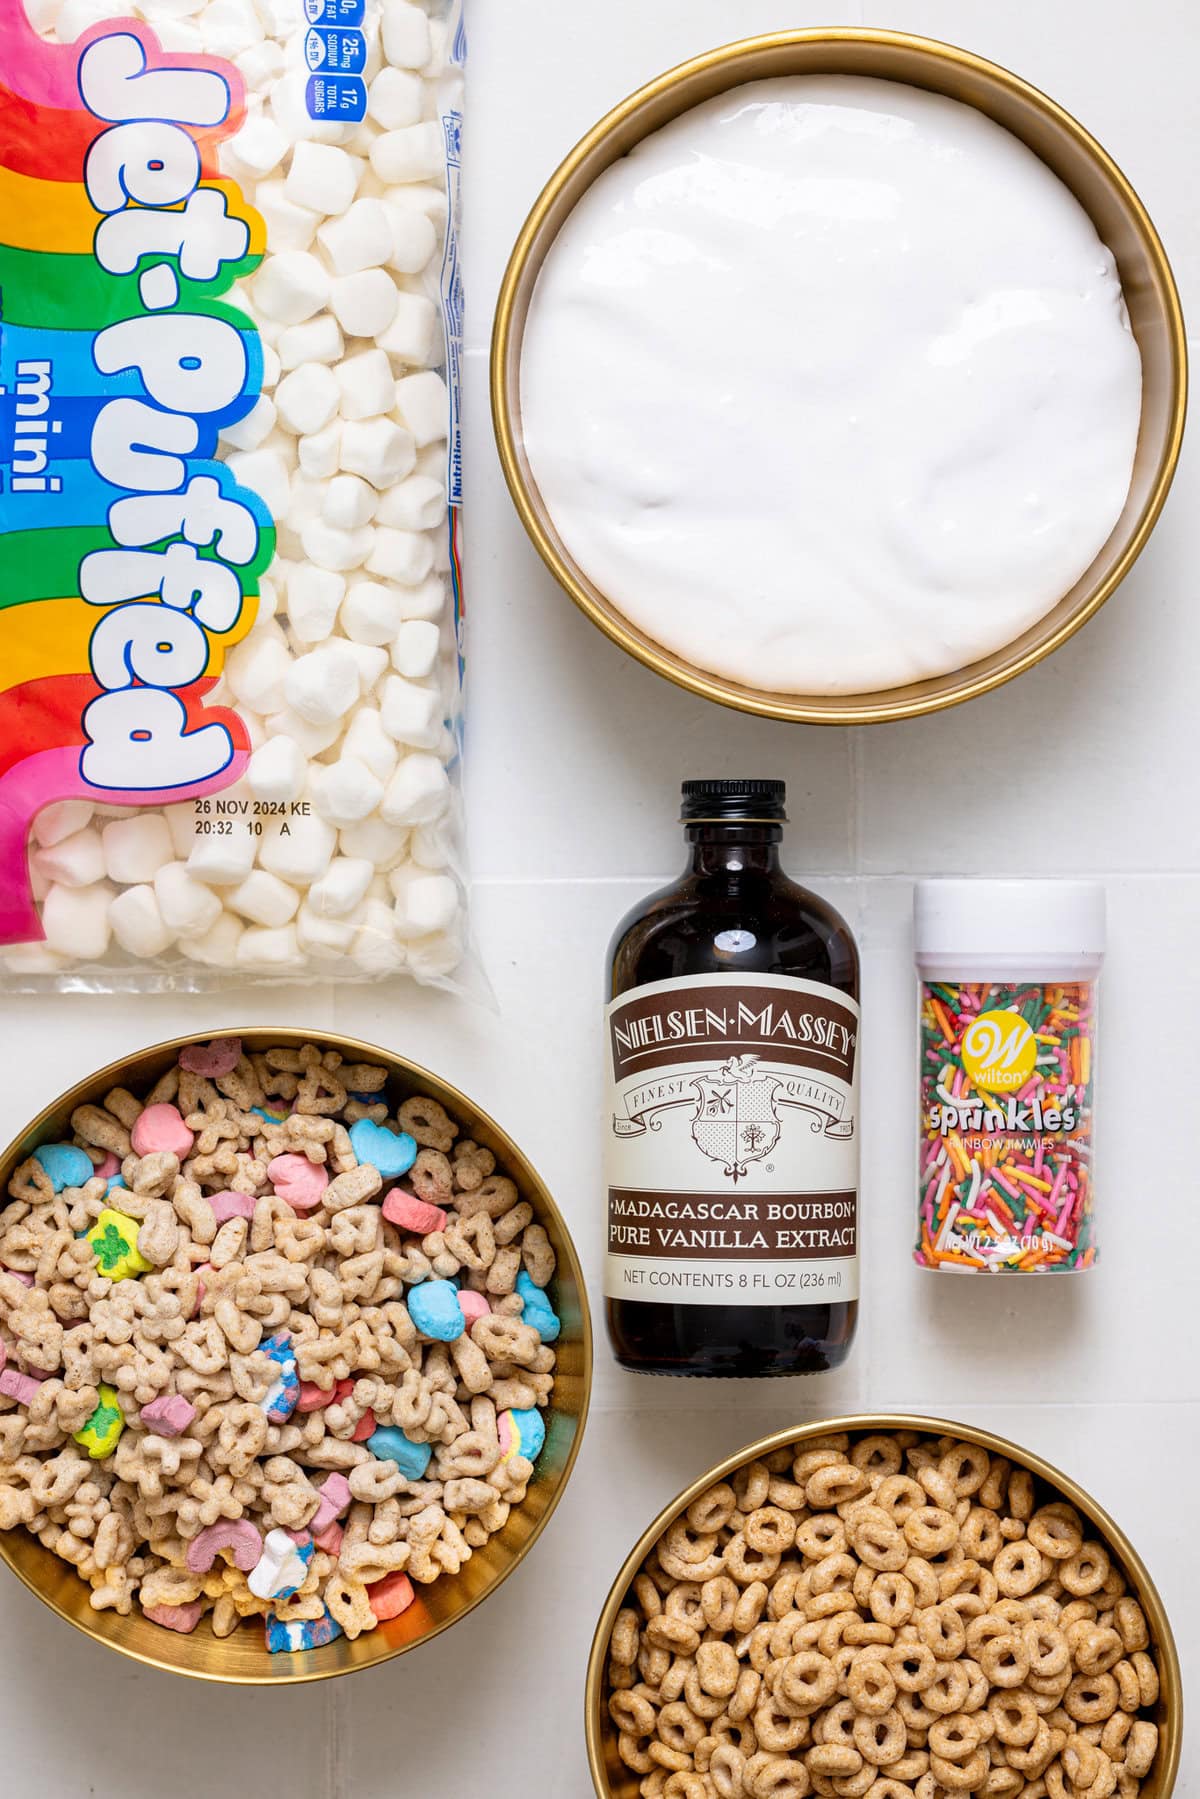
294 1356
884 1607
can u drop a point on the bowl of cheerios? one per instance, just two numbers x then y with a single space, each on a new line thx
295 1356
884 1607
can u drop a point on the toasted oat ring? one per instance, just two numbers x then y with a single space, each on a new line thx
931 1531
878 1454
1141 1746
775 1777
678 1727
747 1564
913 1666
870 1687
966 1467
1095 1648
981 1535
674 1634
834 1485
1015 1717
1091 1698
879 1543
632 1712
770 1530
960 1777
1047 1648
942 1630
777 1730
948 1692
807 1681
955 1738
1005 1660
833 1759
1086 1571
822 1535
713 1510
881 1740
1056 1530
725 1770
1018 1569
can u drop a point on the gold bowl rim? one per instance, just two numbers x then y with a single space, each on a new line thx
1170 1675
854 709
544 1205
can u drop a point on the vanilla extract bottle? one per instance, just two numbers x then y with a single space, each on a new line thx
731 1129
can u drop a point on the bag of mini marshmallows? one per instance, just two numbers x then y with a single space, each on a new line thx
230 480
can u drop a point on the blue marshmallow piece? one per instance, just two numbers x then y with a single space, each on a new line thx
391 1152
307 1633
391 1445
66 1165
434 1309
530 1427
538 1310
281 1399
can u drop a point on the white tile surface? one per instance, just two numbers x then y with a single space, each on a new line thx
575 758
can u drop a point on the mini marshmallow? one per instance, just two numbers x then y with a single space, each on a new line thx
298 849
323 177
311 740
258 423
188 907
268 949
217 948
362 238
414 153
271 365
369 743
349 502
406 37
377 449
292 285
75 920
323 685
396 98
411 713
261 65
313 598
316 340
219 861
370 612
320 454
375 841
404 556
325 938
75 861
255 670
344 791
228 27
259 146
332 548
428 904
264 899
375 946
60 820
307 398
181 822
414 238
341 887
415 649
137 924
412 334
265 473
424 404
430 847
289 227
417 504
417 793
366 385
135 848
364 304
277 771
371 662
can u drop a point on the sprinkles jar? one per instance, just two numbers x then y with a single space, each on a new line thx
1008 973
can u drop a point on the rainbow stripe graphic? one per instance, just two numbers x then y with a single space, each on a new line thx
129 557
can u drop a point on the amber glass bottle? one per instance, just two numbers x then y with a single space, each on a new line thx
731 1133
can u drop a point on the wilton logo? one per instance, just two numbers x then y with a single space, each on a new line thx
129 556
999 1051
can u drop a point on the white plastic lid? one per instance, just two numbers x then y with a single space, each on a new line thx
1044 925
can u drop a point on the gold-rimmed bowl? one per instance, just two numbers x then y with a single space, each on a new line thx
242 1658
1052 134
613 1780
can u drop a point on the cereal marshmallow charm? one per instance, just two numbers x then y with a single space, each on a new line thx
281 1399
298 1181
237 1535
99 1435
114 1238
390 1596
391 1445
391 1152
408 1213
183 1618
161 1129
281 1568
434 1309
521 1433
66 1165
212 1060
311 1633
169 1415
538 1310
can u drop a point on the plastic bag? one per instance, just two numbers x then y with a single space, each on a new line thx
230 645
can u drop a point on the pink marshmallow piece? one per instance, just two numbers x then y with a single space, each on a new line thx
183 1618
212 1059
238 1535
26 1280
474 1305
390 1596
301 1537
21 1387
298 1181
335 1499
330 1539
108 1167
366 1427
313 1398
161 1128
231 1205
408 1213
169 1415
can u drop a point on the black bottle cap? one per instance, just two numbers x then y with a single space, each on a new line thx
734 802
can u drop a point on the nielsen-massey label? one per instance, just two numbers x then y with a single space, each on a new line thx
731 1146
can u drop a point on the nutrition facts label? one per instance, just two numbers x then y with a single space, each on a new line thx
335 49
